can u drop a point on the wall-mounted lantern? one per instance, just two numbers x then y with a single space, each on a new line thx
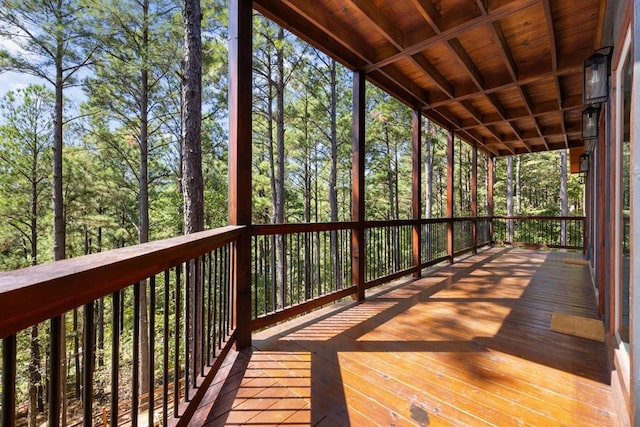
584 163
590 119
596 78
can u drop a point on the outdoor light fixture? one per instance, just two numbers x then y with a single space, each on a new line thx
584 163
590 117
596 78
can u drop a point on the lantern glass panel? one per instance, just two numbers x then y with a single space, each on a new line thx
596 79
590 123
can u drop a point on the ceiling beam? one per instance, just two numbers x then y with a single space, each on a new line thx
442 83
467 62
505 51
380 21
429 12
442 36
299 25
552 36
510 85
323 21
482 7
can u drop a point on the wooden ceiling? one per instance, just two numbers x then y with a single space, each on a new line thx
505 75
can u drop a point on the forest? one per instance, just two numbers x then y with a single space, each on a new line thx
91 152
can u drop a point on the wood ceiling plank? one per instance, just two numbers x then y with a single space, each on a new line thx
495 15
283 15
552 37
434 74
380 21
467 62
429 12
407 84
323 21
505 51
524 80
387 82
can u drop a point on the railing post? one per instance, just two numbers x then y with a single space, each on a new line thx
450 148
358 236
240 98
490 173
416 160
474 198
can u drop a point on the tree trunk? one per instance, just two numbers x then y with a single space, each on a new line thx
281 266
518 198
564 207
59 230
34 377
192 181
393 214
428 170
510 198
308 241
333 175
143 201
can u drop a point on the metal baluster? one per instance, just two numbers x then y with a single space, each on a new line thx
187 326
152 347
88 362
176 346
115 357
9 352
165 348
135 382
54 371
209 259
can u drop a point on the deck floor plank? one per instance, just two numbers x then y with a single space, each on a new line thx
469 344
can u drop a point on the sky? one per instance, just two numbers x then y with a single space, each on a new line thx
10 81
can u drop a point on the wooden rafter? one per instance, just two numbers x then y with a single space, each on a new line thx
381 22
434 75
429 12
443 36
467 62
427 55
524 80
505 51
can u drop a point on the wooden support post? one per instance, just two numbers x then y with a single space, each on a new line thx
634 279
474 198
490 173
357 214
240 129
416 193
450 149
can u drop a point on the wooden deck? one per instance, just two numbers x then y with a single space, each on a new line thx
469 345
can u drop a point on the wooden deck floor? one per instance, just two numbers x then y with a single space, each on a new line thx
470 345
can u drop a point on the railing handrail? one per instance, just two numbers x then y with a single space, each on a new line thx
34 294
288 228
540 217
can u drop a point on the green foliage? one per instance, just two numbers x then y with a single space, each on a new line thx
25 167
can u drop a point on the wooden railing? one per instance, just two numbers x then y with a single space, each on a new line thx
190 296
298 267
171 298
540 231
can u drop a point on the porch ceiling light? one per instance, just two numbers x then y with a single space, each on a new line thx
590 118
596 78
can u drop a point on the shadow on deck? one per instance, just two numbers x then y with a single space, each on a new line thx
468 345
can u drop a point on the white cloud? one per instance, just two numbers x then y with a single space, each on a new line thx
10 46
10 81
